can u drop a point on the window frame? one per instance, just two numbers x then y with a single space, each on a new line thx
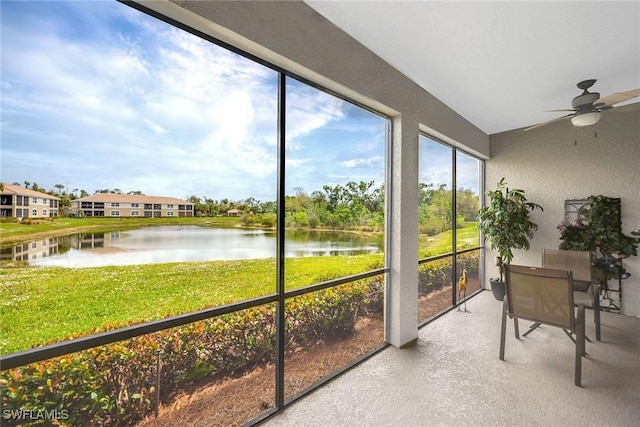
454 253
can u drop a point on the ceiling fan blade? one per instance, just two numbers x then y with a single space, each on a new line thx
561 110
618 97
549 121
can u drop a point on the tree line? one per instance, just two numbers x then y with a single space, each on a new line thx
358 205
354 205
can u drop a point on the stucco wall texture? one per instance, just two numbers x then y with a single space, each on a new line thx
559 162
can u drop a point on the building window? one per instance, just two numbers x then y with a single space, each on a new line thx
115 204
35 200
34 245
169 206
44 212
135 213
34 212
115 213
170 213
135 205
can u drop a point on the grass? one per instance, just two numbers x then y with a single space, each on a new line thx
467 237
44 304
40 305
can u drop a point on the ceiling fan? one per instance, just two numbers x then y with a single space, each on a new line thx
587 107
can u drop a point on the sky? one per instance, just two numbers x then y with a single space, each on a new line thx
96 95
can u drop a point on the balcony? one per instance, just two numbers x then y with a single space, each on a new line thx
453 376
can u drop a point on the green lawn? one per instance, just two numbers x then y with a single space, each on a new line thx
53 303
43 304
467 236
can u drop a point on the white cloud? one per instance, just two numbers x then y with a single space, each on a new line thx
140 105
357 163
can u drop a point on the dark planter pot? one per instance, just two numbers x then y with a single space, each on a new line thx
497 287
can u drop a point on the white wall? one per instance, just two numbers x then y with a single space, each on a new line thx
558 162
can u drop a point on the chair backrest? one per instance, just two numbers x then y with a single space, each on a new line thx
542 295
578 262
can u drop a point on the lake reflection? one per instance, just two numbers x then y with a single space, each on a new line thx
164 244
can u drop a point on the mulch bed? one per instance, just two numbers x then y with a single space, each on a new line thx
235 401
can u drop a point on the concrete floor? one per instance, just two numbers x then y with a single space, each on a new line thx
453 377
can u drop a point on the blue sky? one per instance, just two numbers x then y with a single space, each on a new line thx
435 166
97 95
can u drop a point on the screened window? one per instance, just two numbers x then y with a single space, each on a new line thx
199 122
449 244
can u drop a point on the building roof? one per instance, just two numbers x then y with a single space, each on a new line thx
131 198
21 191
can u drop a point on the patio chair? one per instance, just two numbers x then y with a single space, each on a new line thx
545 296
584 291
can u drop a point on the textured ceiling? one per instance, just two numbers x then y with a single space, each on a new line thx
501 65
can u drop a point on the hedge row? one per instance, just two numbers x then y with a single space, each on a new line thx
435 275
115 384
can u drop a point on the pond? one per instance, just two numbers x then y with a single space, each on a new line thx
163 244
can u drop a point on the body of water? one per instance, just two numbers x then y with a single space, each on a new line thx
163 244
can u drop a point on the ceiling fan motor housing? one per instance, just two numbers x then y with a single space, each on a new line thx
586 99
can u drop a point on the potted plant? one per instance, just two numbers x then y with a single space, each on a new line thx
598 229
506 222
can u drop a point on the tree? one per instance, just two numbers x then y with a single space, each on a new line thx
468 204
435 210
64 204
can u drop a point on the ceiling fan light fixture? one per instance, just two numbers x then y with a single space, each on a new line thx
586 119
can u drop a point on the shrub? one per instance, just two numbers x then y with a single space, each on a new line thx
115 384
435 275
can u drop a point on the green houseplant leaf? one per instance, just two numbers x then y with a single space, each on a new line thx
506 220
599 231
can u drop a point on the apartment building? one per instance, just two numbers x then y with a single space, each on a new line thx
19 202
127 205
